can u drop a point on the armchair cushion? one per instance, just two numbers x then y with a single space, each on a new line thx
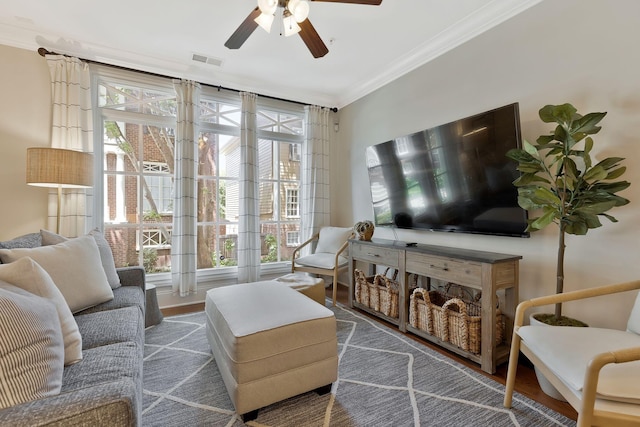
633 323
332 238
322 260
566 351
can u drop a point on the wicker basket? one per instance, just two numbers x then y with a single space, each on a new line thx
379 292
451 319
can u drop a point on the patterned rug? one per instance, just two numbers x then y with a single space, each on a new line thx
385 379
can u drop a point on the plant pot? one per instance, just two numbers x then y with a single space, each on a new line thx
545 385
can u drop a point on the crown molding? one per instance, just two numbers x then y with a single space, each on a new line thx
489 16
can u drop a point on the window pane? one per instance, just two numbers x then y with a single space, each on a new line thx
279 122
122 240
289 161
139 191
135 99
212 111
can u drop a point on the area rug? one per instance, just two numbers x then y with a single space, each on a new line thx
385 379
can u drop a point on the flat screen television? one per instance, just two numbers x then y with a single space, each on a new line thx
454 177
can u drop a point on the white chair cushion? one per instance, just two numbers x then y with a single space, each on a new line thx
322 260
633 324
331 238
567 350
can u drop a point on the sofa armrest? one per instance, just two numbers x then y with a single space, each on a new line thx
132 276
113 404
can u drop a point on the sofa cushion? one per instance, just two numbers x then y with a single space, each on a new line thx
111 326
26 274
106 255
31 347
75 268
31 240
124 296
105 364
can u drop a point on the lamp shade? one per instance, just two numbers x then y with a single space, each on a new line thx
57 167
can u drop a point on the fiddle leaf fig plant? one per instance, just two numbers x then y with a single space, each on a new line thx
559 180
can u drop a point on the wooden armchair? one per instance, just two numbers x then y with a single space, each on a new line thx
328 258
597 370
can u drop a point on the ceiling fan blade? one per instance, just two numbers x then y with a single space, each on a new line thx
242 33
371 2
312 39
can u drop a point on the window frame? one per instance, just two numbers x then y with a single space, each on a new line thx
101 73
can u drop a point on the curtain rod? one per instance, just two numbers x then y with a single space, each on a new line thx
42 52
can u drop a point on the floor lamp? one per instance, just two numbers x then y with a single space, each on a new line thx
59 168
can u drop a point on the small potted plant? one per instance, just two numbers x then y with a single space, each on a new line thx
560 180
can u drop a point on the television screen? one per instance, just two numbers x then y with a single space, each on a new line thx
454 177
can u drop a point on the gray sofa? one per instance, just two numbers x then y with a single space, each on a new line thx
105 388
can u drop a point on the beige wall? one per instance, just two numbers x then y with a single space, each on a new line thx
583 52
25 121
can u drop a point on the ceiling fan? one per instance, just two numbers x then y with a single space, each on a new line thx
295 20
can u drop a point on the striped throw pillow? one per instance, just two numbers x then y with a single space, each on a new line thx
31 347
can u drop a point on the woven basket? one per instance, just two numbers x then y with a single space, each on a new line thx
451 319
379 292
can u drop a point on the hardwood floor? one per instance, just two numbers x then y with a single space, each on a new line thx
526 382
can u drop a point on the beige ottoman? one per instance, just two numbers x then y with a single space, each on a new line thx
270 343
313 287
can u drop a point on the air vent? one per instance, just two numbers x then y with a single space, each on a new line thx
207 60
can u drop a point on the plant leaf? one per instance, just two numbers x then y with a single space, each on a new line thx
587 123
610 162
596 173
557 113
616 173
546 219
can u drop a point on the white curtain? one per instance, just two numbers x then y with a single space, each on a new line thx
72 129
184 235
315 171
249 221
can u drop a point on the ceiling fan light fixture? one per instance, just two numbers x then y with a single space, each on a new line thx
290 25
268 7
299 9
265 21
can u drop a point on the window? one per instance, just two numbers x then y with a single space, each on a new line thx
293 205
160 184
218 181
294 152
138 116
293 238
278 133
138 121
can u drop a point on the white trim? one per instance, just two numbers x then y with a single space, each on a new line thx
489 16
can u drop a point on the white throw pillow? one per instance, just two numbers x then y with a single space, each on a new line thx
331 238
31 348
106 256
75 268
26 274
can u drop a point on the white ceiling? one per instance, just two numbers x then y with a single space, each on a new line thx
369 46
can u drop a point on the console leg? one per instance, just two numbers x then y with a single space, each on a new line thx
324 389
250 416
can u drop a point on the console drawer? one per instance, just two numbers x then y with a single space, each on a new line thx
375 254
457 271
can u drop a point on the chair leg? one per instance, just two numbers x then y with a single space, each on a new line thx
511 370
335 287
